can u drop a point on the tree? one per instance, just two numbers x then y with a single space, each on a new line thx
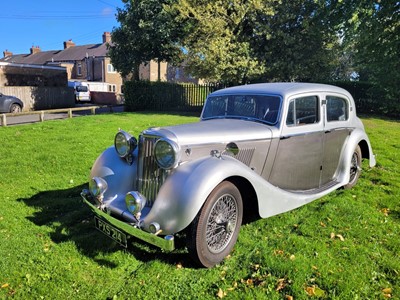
299 42
146 32
245 40
375 35
217 38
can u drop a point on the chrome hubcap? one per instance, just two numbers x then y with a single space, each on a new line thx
221 223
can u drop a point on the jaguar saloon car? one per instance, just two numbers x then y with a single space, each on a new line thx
266 148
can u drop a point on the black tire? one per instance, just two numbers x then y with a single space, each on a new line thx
15 108
355 168
214 231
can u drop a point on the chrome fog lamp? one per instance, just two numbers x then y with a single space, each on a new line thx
135 202
124 143
166 153
97 187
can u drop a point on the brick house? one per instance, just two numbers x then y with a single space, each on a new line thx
91 63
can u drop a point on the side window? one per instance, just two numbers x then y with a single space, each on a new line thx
304 110
79 69
337 109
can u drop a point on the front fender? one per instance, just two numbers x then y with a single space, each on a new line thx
119 175
184 192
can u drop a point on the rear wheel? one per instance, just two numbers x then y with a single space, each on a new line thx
15 108
355 168
214 231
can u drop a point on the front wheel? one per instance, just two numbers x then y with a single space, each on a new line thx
214 231
355 168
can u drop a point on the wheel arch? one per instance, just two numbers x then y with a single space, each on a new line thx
364 149
249 198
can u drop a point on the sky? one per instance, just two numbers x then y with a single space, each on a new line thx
48 23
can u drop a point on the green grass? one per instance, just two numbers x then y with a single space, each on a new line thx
343 246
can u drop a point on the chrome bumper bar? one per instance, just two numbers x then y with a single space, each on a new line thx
167 243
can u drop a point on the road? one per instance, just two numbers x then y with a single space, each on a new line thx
34 118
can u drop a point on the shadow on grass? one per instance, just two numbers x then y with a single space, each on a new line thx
71 220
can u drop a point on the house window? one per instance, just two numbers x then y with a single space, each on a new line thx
111 88
110 68
79 69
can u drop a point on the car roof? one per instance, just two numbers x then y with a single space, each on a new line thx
284 89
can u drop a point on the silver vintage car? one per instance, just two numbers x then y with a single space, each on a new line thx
261 148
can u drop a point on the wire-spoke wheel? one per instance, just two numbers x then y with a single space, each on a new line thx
214 231
355 167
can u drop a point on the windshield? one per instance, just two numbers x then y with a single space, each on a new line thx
82 88
258 107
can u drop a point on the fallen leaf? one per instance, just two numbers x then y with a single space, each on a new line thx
385 211
292 257
287 297
6 285
221 294
179 266
332 235
281 284
310 290
315 291
322 224
249 281
387 293
340 237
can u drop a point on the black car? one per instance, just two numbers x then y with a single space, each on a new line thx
10 104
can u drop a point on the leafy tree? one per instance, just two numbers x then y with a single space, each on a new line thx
299 42
146 32
245 40
374 32
217 39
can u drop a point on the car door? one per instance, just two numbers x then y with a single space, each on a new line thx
336 129
298 159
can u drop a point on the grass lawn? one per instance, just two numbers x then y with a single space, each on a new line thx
343 246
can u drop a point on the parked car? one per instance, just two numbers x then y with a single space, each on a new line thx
10 104
266 148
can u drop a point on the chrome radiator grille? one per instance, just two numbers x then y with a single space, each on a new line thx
150 176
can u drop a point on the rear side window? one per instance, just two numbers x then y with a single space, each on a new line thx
337 109
304 110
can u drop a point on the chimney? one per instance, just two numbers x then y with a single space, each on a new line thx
7 53
68 44
35 49
106 37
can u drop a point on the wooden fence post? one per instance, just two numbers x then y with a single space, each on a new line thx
4 120
70 113
41 116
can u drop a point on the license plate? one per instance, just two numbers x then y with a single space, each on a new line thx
111 232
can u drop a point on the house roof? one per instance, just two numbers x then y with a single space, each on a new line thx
69 54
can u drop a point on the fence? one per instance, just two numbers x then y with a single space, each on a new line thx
40 115
38 98
163 96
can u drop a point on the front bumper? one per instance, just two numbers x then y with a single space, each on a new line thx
167 243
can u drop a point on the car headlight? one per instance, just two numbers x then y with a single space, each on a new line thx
166 153
124 143
97 187
135 202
